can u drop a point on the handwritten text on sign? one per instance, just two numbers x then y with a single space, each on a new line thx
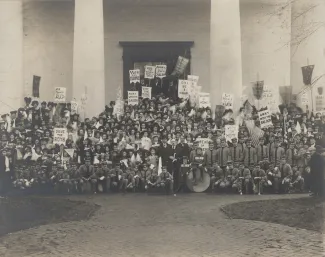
231 131
60 94
203 143
204 100
227 101
146 92
133 97
183 88
265 119
319 102
161 71
60 136
149 72
74 107
134 76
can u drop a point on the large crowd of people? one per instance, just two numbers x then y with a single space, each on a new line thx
155 145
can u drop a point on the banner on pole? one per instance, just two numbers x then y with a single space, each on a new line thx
265 119
70 152
204 100
161 71
60 136
149 72
133 97
181 65
227 101
183 88
319 103
231 131
60 94
146 92
36 85
134 76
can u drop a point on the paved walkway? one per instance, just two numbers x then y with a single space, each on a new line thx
186 225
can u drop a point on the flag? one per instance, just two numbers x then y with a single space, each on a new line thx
255 132
298 128
307 73
70 152
159 166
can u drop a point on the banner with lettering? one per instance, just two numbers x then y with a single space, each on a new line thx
146 92
319 102
133 97
149 72
60 136
134 76
180 66
60 94
304 99
265 119
231 131
227 101
161 71
204 100
183 88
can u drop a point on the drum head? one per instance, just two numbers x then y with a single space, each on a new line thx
200 186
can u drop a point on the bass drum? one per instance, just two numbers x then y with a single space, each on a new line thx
201 186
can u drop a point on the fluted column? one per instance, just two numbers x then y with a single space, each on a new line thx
88 55
11 55
225 51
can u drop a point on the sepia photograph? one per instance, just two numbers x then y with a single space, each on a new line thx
154 128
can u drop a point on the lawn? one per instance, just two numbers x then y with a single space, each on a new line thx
307 213
18 213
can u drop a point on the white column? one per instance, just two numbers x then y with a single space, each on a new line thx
307 42
88 55
11 55
225 51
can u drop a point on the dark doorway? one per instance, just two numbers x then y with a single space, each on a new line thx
138 54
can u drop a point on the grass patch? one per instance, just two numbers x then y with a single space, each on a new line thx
18 213
304 213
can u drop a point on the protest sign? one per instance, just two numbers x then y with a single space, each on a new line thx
134 76
180 66
304 99
193 78
60 136
118 108
60 94
204 100
74 107
227 101
161 71
133 97
265 119
183 88
146 92
203 143
231 131
319 102
149 72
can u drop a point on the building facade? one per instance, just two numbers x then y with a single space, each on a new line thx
76 44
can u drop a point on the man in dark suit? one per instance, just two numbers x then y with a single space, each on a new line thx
6 171
165 152
182 149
